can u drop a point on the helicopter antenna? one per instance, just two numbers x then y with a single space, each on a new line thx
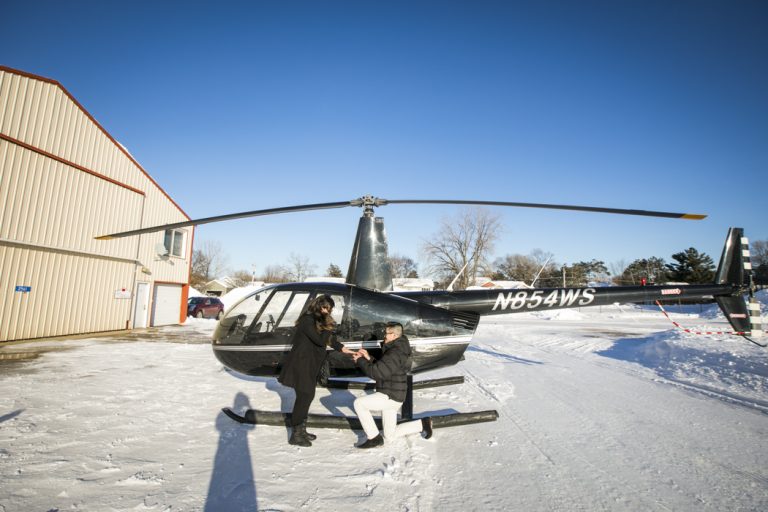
533 283
458 274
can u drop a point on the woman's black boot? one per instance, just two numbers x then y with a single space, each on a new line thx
426 426
306 434
298 437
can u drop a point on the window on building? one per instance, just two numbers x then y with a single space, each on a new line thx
174 242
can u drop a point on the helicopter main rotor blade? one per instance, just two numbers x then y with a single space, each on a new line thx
621 211
231 216
370 202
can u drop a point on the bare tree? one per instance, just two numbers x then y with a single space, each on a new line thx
402 266
298 268
274 274
463 245
759 252
537 266
208 262
515 267
241 277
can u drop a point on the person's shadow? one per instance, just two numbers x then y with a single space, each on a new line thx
337 399
232 484
287 397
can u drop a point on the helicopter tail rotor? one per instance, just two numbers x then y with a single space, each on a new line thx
735 268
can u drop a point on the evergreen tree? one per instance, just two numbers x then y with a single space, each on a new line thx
334 271
582 272
692 267
653 270
759 251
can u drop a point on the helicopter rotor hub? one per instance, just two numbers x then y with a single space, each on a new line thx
368 203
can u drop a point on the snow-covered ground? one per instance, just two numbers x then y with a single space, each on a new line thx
599 409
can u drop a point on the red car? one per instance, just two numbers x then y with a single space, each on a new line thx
205 307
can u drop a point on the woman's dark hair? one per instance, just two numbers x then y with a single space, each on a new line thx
323 321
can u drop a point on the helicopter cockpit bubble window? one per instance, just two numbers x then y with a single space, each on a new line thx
273 312
295 308
338 310
239 318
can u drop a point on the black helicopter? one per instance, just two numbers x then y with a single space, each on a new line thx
255 334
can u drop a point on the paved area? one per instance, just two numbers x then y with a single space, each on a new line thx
25 350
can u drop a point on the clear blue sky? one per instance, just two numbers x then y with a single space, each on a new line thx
236 106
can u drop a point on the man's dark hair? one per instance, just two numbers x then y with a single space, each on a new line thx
397 326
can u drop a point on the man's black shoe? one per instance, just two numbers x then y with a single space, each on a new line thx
426 425
372 443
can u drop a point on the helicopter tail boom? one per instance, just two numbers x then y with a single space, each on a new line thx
728 290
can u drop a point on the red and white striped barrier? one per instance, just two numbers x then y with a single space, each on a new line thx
691 331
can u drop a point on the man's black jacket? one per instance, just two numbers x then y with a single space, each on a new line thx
390 371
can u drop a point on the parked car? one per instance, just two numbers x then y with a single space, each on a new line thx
205 307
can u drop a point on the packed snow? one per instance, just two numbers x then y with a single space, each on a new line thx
608 408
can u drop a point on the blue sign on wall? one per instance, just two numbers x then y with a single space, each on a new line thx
24 289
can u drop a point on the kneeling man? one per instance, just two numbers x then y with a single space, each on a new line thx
390 373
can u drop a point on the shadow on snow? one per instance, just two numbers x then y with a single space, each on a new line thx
232 485
502 355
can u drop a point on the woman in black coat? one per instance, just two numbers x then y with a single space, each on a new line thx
314 332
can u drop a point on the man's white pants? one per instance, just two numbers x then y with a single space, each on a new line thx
388 407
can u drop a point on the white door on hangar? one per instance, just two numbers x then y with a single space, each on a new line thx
166 306
142 303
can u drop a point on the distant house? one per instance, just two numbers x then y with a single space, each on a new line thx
412 284
193 292
219 287
482 281
324 279
505 285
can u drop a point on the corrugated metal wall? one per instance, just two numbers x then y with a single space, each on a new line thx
70 294
63 181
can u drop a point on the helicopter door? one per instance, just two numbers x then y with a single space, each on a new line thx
275 324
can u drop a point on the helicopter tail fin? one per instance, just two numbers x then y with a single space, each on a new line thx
735 268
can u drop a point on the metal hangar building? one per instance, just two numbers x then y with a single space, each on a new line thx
63 181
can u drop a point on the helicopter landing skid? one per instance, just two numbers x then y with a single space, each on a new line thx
280 419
